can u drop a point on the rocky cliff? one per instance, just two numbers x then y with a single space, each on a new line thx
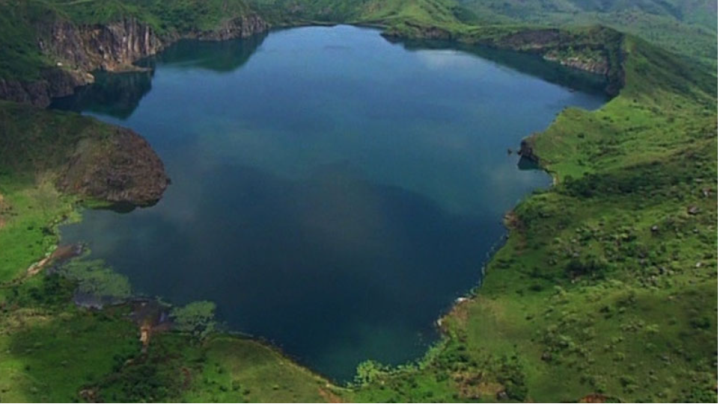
110 47
241 27
410 30
122 169
84 156
589 51
53 83
596 65
526 149
76 50
596 50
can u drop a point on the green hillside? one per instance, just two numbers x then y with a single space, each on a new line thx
25 22
687 27
608 283
605 290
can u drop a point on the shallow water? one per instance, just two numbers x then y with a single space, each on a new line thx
332 192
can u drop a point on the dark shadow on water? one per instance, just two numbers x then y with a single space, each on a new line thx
123 207
217 56
527 63
525 164
112 94
119 94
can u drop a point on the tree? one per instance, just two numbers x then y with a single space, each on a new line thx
196 318
369 371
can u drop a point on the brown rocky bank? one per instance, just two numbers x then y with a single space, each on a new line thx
78 49
83 156
123 169
90 159
596 50
126 169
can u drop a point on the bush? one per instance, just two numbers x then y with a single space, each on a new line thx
197 318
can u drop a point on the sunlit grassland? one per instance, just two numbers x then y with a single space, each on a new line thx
607 284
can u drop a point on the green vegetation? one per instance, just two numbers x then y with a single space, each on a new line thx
94 278
34 144
50 349
608 282
686 27
607 286
24 22
197 318
237 370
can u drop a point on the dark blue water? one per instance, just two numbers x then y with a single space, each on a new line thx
332 192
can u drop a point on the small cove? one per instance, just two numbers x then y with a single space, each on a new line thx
332 192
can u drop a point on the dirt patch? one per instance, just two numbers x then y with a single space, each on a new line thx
61 254
513 223
187 378
472 386
594 398
90 395
329 396
459 313
152 317
4 208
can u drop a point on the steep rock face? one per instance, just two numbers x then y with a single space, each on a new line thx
54 83
553 43
415 31
84 156
80 49
110 47
532 39
526 150
120 169
595 66
598 52
116 46
241 27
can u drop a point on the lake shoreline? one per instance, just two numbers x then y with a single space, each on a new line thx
471 287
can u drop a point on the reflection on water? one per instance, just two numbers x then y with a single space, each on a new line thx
527 63
332 192
115 95
215 56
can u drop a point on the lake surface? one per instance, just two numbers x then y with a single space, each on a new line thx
331 191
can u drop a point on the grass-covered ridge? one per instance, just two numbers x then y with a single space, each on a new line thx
686 27
26 23
607 286
608 282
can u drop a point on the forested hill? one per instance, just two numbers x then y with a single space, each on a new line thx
687 27
606 289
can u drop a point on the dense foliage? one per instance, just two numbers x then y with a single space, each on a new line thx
606 288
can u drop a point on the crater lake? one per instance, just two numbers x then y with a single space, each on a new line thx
332 192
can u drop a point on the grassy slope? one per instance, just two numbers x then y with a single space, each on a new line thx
50 350
582 288
20 57
686 27
445 13
585 297
33 144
